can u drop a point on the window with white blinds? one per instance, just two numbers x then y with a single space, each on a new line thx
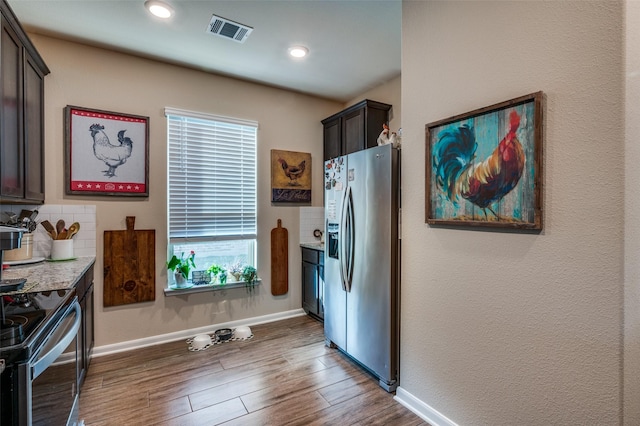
212 177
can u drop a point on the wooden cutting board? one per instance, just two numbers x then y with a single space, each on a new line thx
279 260
129 265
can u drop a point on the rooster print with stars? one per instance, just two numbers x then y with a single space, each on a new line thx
107 153
485 167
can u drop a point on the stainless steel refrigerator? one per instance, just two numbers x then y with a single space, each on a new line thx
362 259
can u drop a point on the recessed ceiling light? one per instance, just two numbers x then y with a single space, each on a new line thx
159 9
298 51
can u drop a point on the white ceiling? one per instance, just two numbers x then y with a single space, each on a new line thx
354 44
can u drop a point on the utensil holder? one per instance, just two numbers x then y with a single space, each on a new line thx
61 249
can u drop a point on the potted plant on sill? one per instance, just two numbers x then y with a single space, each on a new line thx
181 266
249 276
235 269
217 272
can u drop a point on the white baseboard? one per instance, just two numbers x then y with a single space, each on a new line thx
185 334
423 410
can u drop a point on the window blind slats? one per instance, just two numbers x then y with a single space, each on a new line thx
212 178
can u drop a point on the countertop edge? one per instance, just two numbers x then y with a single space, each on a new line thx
313 246
50 276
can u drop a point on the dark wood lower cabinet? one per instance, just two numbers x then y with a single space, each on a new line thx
313 282
84 290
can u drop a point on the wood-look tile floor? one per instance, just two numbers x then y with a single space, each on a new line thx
284 375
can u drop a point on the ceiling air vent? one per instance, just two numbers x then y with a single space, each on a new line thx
225 28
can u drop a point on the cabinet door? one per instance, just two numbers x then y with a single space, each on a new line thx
309 287
82 373
33 136
87 324
353 131
86 339
377 115
12 154
89 313
332 139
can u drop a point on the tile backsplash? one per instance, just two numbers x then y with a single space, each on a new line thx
84 242
311 218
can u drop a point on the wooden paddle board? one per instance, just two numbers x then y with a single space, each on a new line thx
279 260
129 265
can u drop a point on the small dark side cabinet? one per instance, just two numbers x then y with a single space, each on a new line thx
313 282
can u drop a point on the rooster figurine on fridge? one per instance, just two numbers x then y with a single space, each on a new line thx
392 138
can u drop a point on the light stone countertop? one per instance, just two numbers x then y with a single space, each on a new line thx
49 276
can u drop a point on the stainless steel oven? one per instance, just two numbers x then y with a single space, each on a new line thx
40 377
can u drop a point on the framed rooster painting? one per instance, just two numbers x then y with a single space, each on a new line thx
484 168
106 153
290 177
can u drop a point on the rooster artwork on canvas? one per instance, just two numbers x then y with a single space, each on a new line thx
113 155
482 182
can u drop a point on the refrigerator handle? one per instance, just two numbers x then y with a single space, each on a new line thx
341 240
349 238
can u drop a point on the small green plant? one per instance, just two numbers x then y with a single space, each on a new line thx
182 264
249 276
219 272
214 269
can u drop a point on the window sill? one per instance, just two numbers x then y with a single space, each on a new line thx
204 288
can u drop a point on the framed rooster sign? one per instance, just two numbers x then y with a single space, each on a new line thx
290 177
484 168
106 153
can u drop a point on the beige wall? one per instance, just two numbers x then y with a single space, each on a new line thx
632 218
101 79
509 328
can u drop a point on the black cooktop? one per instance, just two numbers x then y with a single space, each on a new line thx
14 328
28 318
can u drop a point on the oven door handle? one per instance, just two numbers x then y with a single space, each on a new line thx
45 361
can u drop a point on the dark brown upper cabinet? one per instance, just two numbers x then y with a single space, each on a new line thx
355 128
22 72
